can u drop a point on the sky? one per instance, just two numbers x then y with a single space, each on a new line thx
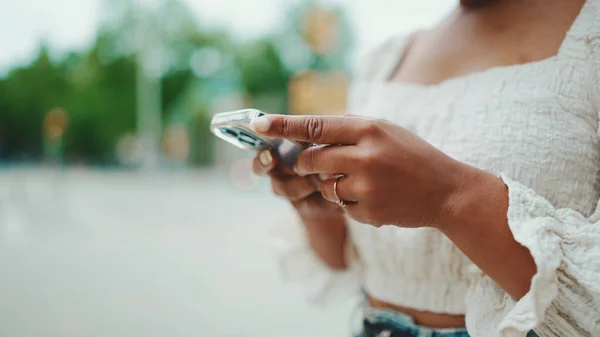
71 24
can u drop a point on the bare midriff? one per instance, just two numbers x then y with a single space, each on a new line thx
422 318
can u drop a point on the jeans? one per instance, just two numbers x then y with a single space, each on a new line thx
389 323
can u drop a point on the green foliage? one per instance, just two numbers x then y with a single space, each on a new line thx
97 87
172 86
261 68
27 95
101 106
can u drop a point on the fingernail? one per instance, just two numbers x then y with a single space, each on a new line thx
265 158
261 124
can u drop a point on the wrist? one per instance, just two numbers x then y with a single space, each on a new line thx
478 195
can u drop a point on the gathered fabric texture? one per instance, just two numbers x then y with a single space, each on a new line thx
536 126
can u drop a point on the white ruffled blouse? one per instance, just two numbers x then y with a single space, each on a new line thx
537 126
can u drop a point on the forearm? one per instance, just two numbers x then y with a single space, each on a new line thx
475 219
327 236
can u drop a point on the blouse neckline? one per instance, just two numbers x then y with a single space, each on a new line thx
402 47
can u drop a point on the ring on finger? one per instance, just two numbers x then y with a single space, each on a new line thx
342 203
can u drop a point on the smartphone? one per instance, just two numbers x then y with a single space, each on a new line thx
234 128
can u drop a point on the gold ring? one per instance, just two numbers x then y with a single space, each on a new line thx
340 202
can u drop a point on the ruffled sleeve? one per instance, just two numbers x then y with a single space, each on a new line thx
300 265
564 297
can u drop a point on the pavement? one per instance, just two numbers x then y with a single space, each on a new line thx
178 253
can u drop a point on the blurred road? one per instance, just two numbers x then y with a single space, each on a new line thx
95 253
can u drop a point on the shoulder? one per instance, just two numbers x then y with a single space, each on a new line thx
582 42
376 65
378 61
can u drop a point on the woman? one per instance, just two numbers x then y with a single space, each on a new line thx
479 148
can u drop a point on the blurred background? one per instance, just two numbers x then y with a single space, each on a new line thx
120 214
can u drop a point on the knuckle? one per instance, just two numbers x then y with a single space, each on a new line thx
307 160
365 188
310 160
286 126
372 127
314 128
368 158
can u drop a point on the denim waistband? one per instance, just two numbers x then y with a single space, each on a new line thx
389 323
385 322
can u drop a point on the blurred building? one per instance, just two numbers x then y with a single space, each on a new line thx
323 87
315 92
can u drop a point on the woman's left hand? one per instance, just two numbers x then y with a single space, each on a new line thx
392 176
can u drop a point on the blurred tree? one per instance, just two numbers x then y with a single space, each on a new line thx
26 95
101 104
201 71
264 77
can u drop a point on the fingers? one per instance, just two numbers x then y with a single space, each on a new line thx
314 205
288 185
313 129
263 163
325 160
293 188
266 162
344 190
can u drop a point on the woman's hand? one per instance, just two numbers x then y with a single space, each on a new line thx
397 178
393 176
324 222
301 191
